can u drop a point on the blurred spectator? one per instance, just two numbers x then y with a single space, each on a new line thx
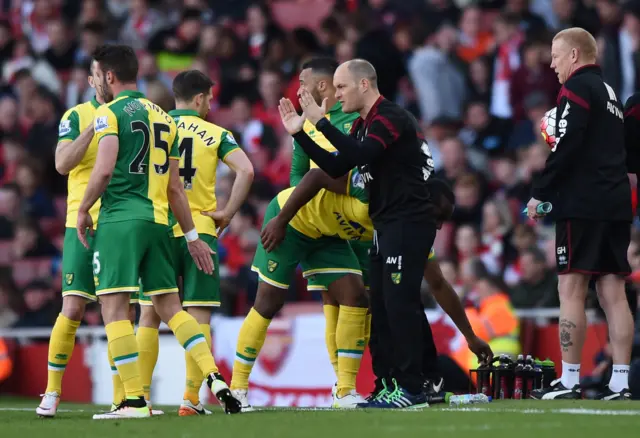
91 36
8 116
148 72
483 132
176 46
6 43
62 46
34 23
609 44
455 162
538 284
528 21
158 92
10 210
78 89
24 62
38 312
271 89
8 316
534 74
37 202
509 38
527 130
141 24
437 77
29 242
473 41
255 135
468 200
12 152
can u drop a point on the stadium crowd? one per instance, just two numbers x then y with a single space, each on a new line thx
475 74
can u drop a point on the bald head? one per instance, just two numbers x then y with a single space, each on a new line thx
571 49
578 38
356 84
361 69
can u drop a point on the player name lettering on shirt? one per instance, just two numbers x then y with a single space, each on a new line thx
202 133
132 107
615 110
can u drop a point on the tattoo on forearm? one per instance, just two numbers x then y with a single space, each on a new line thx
565 335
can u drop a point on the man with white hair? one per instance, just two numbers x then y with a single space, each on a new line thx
585 177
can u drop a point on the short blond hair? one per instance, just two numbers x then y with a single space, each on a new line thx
578 38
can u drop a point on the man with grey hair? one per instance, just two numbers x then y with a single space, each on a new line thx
394 163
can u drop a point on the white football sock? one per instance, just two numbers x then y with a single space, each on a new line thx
570 374
619 378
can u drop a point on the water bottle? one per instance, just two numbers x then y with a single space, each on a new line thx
518 383
484 379
548 372
537 374
506 363
467 399
528 373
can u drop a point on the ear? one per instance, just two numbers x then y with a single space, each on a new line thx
322 85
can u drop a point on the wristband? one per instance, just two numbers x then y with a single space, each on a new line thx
191 235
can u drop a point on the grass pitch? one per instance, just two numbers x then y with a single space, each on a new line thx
522 419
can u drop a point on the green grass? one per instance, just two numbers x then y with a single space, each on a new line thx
521 419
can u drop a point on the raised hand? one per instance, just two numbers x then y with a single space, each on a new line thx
312 111
291 121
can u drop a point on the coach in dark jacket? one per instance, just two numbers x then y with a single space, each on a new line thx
585 178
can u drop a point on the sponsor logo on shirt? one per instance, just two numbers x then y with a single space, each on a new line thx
101 124
64 128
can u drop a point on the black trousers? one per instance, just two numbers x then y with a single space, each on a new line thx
401 341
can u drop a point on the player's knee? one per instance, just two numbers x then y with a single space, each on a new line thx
572 288
115 307
166 306
201 314
149 317
269 300
73 307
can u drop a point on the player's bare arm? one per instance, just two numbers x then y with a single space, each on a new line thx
199 250
308 187
241 165
98 182
335 165
358 152
70 153
450 303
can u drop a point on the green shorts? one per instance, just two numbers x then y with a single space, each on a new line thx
199 289
319 281
277 267
77 270
127 254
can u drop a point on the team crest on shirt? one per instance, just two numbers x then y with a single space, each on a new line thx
356 180
272 265
68 278
396 277
347 127
64 128
101 124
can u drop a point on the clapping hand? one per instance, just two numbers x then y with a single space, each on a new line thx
290 119
312 111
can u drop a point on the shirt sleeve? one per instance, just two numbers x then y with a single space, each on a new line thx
571 125
300 164
381 133
355 186
106 123
334 164
228 144
69 128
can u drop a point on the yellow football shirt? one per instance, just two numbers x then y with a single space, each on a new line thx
73 122
201 145
147 139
